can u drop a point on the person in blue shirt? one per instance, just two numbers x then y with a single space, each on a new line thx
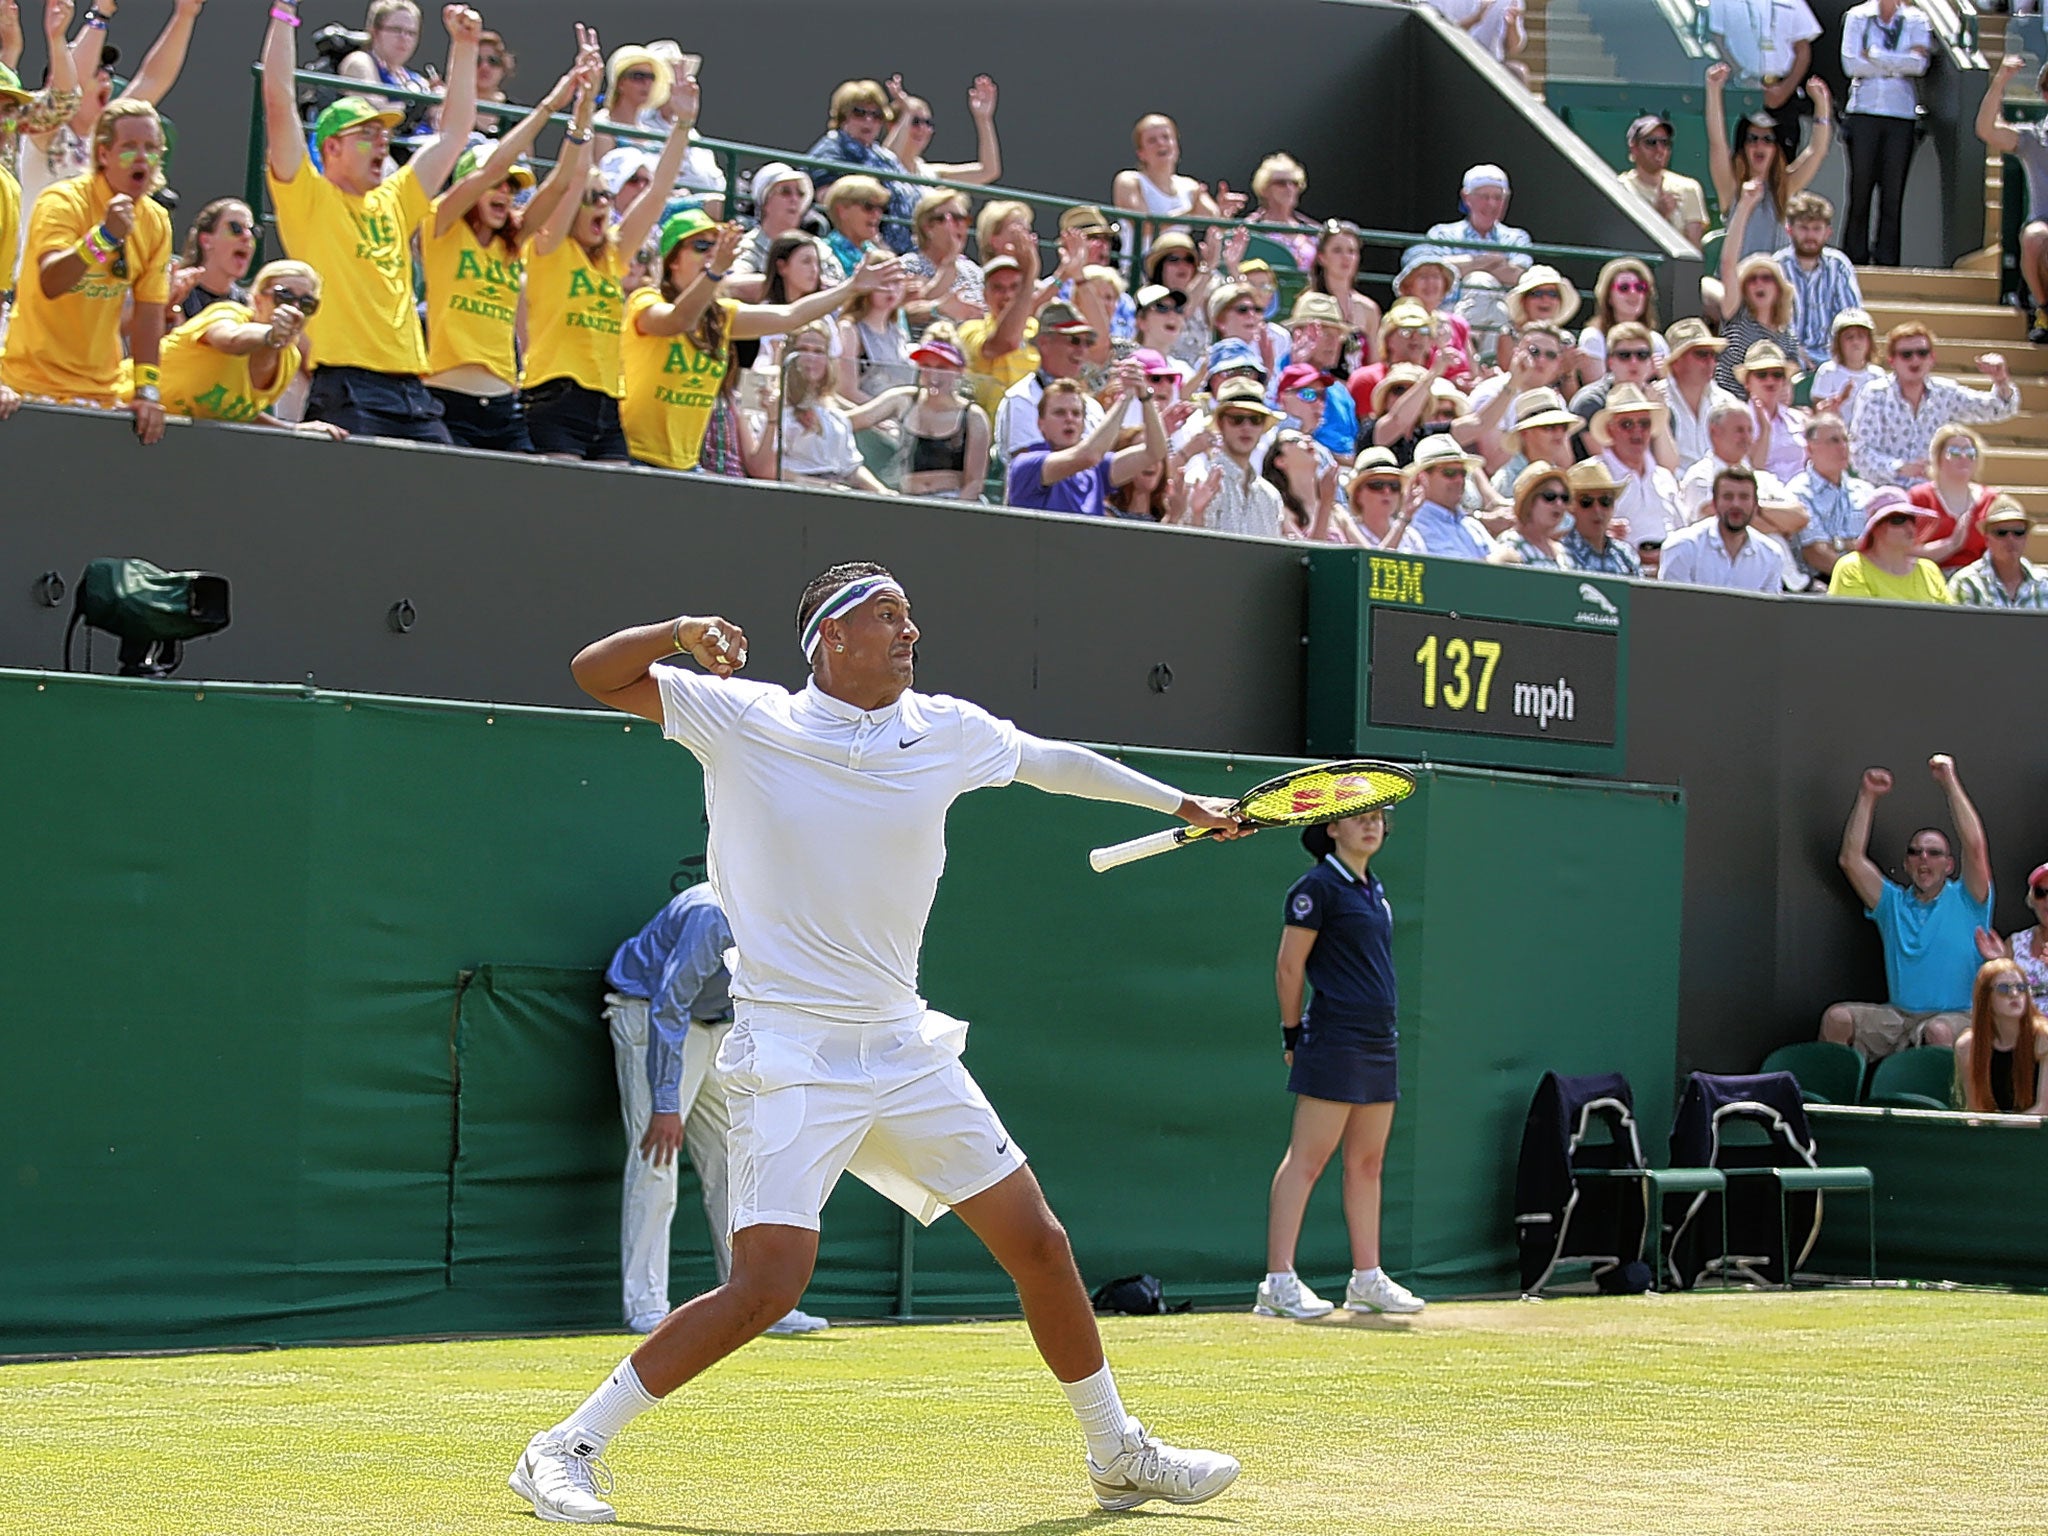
1338 939
1929 925
669 1008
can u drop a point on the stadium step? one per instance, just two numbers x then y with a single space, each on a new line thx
1999 322
1919 285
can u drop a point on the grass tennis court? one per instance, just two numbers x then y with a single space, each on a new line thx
1842 1412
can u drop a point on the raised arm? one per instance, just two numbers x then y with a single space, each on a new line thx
1865 878
1720 161
987 164
458 108
614 670
1127 464
166 56
1007 335
638 223
284 136
1802 170
1731 247
754 320
560 197
63 69
1991 126
688 307
1969 828
464 194
1092 449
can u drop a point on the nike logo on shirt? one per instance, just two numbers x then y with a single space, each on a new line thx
912 741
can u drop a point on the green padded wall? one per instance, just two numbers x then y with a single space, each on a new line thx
304 1029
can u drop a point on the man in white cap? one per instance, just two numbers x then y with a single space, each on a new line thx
1442 466
782 196
1721 551
2004 578
1679 200
1484 199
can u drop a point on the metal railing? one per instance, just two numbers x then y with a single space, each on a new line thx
1380 249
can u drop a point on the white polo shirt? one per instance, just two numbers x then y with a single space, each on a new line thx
828 831
1698 555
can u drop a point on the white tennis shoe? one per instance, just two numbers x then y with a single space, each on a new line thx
1148 1469
1290 1298
561 1484
1383 1293
798 1321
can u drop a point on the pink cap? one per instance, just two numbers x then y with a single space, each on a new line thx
2039 876
1295 375
1889 502
1151 360
937 352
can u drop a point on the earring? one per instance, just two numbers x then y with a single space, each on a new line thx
838 647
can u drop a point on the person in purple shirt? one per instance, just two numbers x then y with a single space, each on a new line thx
1070 472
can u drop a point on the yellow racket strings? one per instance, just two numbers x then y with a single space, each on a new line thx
1324 794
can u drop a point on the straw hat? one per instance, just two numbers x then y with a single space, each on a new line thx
1543 277
631 55
1532 479
1625 400
1542 407
1399 373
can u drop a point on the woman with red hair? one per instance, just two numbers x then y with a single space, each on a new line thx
2002 1058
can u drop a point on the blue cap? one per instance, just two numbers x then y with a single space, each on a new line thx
1235 352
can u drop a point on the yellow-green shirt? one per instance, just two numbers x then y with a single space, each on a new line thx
472 301
362 249
10 229
210 385
69 347
1855 576
671 386
574 310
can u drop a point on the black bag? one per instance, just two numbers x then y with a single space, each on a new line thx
151 611
1136 1296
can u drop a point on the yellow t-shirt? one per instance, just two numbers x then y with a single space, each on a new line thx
1855 576
10 229
362 249
988 378
215 386
69 347
472 301
573 313
671 386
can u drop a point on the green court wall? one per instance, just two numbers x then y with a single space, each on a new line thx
301 1017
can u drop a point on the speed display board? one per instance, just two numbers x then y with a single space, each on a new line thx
1448 660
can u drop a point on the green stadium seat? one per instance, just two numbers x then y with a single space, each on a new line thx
1921 1078
1827 1073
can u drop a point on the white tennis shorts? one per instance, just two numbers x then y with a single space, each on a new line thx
890 1103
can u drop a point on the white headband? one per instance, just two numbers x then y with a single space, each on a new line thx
843 600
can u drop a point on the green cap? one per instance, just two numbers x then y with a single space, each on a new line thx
691 221
352 112
10 86
473 159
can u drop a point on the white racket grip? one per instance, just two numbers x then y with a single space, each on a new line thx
1137 848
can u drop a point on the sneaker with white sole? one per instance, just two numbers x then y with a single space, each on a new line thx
798 1321
1292 1299
562 1481
1382 1294
1148 1469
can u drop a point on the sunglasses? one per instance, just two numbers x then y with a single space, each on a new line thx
1243 309
1657 141
2005 533
148 156
304 303
1603 500
2039 892
637 77
1630 285
234 227
922 122
497 61
596 199
1960 451
1926 853
1554 497
1383 487
1758 138
1898 520
1240 419
1904 354
1448 471
1547 293
705 246
872 114
1631 354
1767 375
2009 988
951 216
870 207
1543 354
1632 423
1311 393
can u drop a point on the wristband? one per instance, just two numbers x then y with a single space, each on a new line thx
1291 1035
279 13
109 239
147 374
96 251
95 19
718 277
573 137
675 637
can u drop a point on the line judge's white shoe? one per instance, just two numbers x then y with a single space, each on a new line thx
561 1484
798 1321
1290 1298
1149 1469
1381 1294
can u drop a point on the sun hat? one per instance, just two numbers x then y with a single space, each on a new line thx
1059 318
1530 479
10 86
1157 293
1173 242
1624 400
1152 362
691 221
632 54
1398 373
623 164
1763 357
1295 375
1440 449
1416 261
1691 333
473 159
352 112
1000 264
2004 509
1235 352
1645 123
1246 395
1318 309
1540 276
1372 461
1591 475
1852 317
1542 407
1228 294
773 175
1087 216
1889 502
1405 315
937 352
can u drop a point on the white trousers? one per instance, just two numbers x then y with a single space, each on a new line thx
647 1204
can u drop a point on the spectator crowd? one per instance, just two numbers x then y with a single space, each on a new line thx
841 325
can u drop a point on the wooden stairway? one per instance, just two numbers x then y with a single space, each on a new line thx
1963 310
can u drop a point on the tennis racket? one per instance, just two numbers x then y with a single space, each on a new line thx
1303 798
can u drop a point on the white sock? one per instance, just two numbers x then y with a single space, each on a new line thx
1366 1276
1101 1413
606 1411
1279 1278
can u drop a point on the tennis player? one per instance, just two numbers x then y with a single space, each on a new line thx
1340 1053
828 811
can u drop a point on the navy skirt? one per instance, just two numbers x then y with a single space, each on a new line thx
1349 1061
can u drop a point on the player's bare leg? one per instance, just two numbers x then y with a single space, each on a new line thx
1126 1466
561 1472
